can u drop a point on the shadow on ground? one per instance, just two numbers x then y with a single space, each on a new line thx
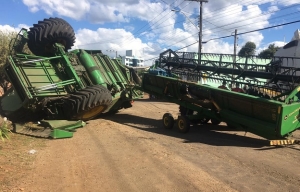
216 135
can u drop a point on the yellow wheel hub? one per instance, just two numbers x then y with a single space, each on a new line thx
89 114
166 121
181 124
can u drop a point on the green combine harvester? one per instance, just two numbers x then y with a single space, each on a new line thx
269 105
58 88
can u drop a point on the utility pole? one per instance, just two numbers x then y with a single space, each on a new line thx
200 29
234 50
235 45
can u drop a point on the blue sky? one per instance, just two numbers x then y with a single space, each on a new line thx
150 26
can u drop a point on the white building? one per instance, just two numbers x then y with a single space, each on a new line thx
133 58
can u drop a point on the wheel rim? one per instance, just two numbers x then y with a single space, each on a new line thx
166 121
181 124
92 112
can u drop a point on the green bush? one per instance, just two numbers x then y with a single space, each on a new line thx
5 127
5 38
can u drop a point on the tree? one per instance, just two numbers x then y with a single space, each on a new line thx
247 49
5 43
5 39
269 52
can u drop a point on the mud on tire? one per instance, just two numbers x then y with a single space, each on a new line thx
43 35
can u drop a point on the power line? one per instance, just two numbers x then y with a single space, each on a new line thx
297 12
238 34
292 6
238 21
158 28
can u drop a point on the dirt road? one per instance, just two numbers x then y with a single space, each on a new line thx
130 151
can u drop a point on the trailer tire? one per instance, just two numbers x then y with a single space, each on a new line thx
168 121
215 121
87 103
183 124
231 126
46 33
204 120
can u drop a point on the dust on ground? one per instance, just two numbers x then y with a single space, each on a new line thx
130 151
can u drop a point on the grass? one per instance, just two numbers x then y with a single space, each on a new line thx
5 127
15 159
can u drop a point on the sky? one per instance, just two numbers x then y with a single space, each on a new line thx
151 26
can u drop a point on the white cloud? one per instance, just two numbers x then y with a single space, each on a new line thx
97 11
75 9
9 29
116 40
221 18
277 44
286 3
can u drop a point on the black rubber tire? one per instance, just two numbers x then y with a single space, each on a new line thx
183 124
168 121
85 100
46 33
204 120
215 121
231 126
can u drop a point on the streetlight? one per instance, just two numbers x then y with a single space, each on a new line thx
200 39
185 16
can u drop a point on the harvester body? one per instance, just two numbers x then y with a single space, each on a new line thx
56 84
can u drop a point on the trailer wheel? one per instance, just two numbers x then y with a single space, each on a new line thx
87 103
231 125
46 33
168 121
215 121
183 124
204 120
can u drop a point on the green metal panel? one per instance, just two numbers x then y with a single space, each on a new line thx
34 75
290 115
248 105
227 58
111 67
268 118
118 65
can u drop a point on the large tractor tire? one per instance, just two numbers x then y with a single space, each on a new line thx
46 33
87 103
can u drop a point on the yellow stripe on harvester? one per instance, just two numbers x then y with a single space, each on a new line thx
284 142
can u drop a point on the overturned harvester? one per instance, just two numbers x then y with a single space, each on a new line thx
53 83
